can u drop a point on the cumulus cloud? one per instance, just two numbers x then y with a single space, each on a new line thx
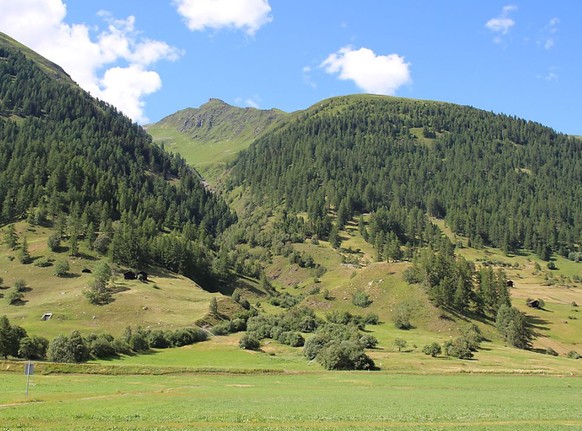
378 74
247 15
501 24
112 65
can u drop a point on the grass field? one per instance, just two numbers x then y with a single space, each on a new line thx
304 401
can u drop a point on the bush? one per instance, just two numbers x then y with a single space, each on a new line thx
159 339
42 263
33 348
551 352
400 344
572 354
54 241
102 346
14 297
293 339
68 349
459 348
20 285
249 342
313 346
361 299
344 355
61 268
432 349
371 319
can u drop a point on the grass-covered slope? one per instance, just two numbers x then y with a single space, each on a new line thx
214 133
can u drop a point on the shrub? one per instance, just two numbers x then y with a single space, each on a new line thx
293 339
102 347
68 349
551 352
20 285
54 241
371 319
572 354
33 348
14 297
433 349
159 339
344 355
400 344
313 346
249 342
42 263
62 268
401 316
459 348
361 299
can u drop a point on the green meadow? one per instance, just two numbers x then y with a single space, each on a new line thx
291 401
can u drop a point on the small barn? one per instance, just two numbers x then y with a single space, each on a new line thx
534 303
509 283
142 276
46 316
86 271
129 275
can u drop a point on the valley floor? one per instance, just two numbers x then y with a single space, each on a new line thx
291 401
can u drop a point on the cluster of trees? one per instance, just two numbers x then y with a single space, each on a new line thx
74 348
15 342
64 154
453 283
496 179
462 347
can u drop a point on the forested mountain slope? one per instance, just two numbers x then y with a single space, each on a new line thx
64 154
497 179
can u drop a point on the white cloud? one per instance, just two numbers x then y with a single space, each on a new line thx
249 15
95 63
549 32
501 24
379 74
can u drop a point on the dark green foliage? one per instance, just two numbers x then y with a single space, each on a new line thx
460 347
83 164
572 354
20 285
97 293
401 316
11 237
551 352
400 344
33 347
249 342
23 253
433 349
496 179
513 326
361 299
14 297
449 281
10 338
62 268
344 355
68 349
313 346
101 346
286 300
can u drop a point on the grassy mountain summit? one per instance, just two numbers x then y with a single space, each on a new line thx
213 133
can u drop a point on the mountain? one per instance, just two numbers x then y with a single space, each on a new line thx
69 160
498 180
213 133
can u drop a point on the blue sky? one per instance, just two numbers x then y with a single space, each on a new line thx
152 58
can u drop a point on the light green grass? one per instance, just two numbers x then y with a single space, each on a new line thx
312 401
